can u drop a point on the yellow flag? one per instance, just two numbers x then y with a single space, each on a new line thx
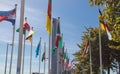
48 20
31 32
29 37
102 26
48 24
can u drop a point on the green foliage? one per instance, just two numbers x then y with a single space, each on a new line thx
110 49
108 54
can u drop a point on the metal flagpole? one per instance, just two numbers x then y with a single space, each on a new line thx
49 57
12 45
6 57
24 50
65 61
89 36
57 60
100 49
40 54
49 54
20 38
31 54
44 56
63 57
90 54
62 54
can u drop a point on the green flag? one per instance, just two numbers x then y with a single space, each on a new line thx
43 56
53 50
24 31
65 55
60 43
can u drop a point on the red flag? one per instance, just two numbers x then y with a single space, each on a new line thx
86 47
57 36
26 26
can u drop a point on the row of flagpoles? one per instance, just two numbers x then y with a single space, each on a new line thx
49 30
38 50
11 16
38 53
22 31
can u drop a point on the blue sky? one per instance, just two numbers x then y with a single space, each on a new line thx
74 15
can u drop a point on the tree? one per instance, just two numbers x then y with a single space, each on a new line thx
107 53
111 14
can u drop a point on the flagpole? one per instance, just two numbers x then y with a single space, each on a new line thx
100 49
49 57
20 38
31 54
63 57
12 44
40 55
62 54
6 57
24 50
49 31
90 54
44 56
65 62
58 61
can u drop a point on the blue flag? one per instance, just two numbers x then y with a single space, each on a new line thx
8 16
37 49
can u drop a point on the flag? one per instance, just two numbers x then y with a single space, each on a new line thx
53 50
29 37
43 56
102 26
65 55
105 27
99 11
37 49
26 26
31 32
48 20
63 60
61 54
8 16
72 62
108 34
57 36
60 43
67 62
86 47
24 31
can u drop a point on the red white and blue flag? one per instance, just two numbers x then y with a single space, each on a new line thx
8 16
